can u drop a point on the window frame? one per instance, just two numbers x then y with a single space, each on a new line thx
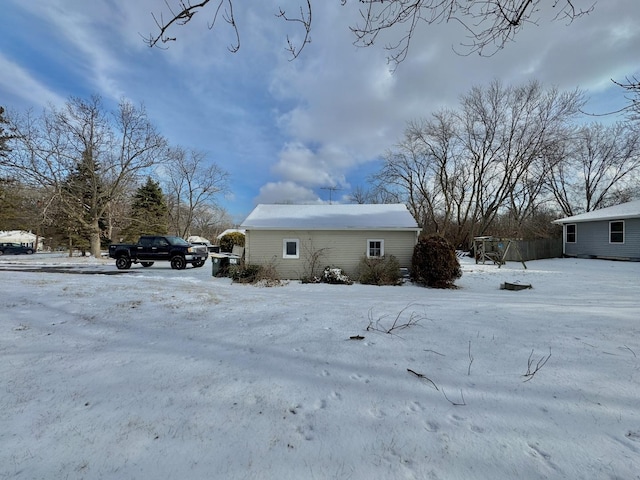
575 233
286 241
369 241
621 232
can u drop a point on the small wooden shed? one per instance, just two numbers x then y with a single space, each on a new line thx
297 239
610 233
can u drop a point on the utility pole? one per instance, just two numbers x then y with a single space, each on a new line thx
331 190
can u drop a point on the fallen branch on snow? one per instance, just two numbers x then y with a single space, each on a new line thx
541 363
414 318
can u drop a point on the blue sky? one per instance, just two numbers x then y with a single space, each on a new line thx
285 129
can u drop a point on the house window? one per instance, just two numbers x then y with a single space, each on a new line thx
375 248
616 232
571 233
291 248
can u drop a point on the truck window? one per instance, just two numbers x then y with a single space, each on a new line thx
145 241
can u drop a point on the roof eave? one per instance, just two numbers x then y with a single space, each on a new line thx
289 228
597 219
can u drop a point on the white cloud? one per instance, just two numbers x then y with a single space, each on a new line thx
346 100
301 165
286 192
17 82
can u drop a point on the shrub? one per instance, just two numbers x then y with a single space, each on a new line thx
434 263
379 271
230 239
335 276
244 273
312 264
310 279
254 274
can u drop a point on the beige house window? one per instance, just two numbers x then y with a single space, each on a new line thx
375 248
291 248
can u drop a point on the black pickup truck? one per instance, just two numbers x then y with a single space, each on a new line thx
154 248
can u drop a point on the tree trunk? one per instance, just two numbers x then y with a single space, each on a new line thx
95 239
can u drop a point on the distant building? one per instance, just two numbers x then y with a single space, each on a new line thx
22 237
611 233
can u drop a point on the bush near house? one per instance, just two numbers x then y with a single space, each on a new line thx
434 263
265 275
228 241
379 271
336 276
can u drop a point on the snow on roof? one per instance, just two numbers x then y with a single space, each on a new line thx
617 212
337 216
197 239
16 236
230 230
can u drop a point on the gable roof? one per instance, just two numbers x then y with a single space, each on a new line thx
17 236
617 212
330 217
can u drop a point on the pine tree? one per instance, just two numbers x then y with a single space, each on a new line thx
81 199
149 212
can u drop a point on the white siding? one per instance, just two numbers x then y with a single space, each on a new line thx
338 248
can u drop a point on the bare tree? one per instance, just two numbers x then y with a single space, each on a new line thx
490 24
5 136
83 157
191 184
507 133
460 169
597 168
374 194
426 172
209 221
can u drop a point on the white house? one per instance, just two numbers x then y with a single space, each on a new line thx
22 237
299 238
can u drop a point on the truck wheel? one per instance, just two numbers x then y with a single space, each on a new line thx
198 264
146 264
178 262
123 263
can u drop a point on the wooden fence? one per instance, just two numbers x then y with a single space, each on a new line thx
534 249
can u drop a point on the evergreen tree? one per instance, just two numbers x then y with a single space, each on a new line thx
149 212
81 198
11 204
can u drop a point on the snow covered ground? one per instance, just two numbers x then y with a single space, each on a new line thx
163 374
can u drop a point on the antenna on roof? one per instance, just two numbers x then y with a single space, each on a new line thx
331 190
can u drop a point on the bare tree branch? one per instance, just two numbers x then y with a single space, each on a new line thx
461 403
632 86
490 24
186 12
541 363
305 21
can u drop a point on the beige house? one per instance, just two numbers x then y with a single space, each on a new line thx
300 240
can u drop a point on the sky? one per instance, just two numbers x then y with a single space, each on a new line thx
166 374
285 130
